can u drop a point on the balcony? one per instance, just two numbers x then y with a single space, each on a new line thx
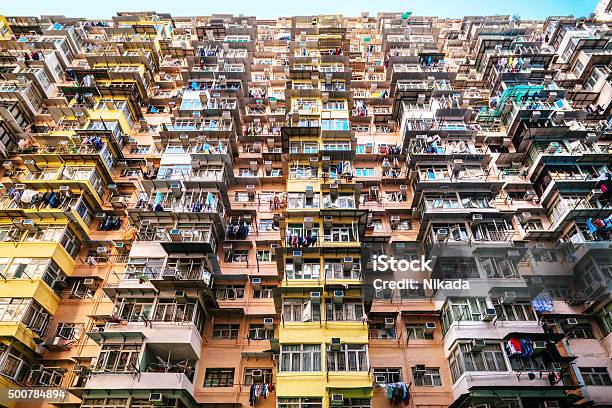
178 202
192 238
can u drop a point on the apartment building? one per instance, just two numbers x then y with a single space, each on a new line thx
195 211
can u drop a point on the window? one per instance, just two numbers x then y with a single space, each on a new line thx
418 332
133 309
264 378
264 293
265 255
300 357
308 270
266 225
392 375
356 403
69 331
104 402
497 268
344 312
301 310
350 357
240 255
595 376
259 332
365 172
229 292
491 358
219 377
140 149
116 358
605 319
458 309
305 402
226 331
514 311
430 378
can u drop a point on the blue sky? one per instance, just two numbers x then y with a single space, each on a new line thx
527 9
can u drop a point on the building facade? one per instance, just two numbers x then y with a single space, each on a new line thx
209 211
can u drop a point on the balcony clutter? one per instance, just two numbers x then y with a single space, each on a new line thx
258 391
237 230
36 200
301 241
397 393
110 223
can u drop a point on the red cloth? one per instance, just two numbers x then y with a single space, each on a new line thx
516 344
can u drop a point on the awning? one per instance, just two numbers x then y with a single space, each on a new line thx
498 392
554 337
352 392
101 337
257 355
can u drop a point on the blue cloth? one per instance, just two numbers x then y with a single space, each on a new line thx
542 304
589 224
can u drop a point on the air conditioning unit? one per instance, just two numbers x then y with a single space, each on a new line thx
347 262
64 189
118 202
476 218
551 404
171 274
539 346
488 315
308 222
338 296
256 282
508 298
8 165
90 283
441 234
571 322
309 191
389 323
156 398
268 323
337 400
477 345
419 370
591 138
29 225
101 250
335 344
180 296
328 221
380 379
430 327
315 297
257 374
175 235
31 165
524 217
